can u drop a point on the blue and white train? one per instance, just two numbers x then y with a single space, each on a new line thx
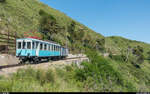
34 50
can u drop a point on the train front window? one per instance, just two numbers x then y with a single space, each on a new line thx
28 45
19 45
37 43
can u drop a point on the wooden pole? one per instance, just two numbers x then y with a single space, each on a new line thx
8 43
15 40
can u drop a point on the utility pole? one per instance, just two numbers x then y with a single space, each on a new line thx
66 39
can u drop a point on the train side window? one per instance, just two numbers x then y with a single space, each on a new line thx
37 44
50 47
33 45
41 46
59 49
44 46
54 48
19 45
28 45
47 47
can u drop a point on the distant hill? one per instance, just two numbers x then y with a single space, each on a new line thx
117 43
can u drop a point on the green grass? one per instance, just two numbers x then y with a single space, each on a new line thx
98 75
117 45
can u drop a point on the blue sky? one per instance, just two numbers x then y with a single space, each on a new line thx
126 18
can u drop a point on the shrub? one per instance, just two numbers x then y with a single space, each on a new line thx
40 76
68 68
139 57
45 77
48 23
5 86
50 76
121 58
2 1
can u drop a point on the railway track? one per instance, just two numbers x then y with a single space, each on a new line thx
17 65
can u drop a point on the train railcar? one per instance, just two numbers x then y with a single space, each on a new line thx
34 50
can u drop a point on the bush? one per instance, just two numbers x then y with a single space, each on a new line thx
50 76
121 58
48 23
101 72
45 77
2 1
5 86
68 68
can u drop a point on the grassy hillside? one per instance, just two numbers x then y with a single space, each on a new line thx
118 44
125 69
24 16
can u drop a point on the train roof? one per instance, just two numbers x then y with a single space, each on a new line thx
51 42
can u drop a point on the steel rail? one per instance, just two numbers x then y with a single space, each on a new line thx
17 65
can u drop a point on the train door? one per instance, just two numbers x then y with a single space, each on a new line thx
37 48
61 51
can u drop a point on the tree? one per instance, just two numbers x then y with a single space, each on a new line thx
100 44
2 1
48 23
148 55
138 51
128 53
139 57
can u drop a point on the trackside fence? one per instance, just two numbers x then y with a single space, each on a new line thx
8 42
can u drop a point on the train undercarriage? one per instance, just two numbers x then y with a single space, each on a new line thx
37 60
